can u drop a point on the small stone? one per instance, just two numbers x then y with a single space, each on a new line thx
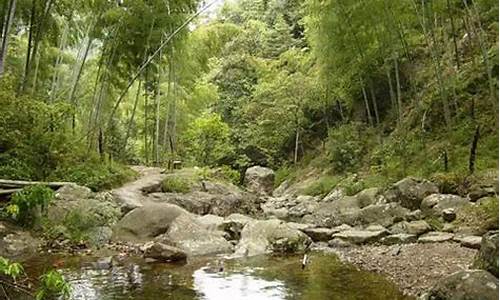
471 241
400 238
162 252
449 215
338 243
435 237
319 234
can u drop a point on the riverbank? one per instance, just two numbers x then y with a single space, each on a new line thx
414 268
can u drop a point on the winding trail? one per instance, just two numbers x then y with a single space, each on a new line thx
133 194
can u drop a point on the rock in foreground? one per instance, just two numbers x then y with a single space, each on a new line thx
466 285
261 237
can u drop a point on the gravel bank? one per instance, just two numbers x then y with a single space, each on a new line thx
415 268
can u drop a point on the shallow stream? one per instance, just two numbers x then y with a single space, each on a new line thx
258 278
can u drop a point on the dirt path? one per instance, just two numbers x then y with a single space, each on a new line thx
132 194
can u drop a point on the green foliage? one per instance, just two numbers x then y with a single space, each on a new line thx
322 186
26 205
95 174
53 286
208 140
344 148
176 184
285 172
10 269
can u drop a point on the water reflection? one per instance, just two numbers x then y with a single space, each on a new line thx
259 278
243 286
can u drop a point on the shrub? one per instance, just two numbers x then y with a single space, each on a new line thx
96 175
173 184
25 204
322 186
344 147
282 174
53 286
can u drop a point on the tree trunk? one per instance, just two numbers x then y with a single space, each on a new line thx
30 42
131 121
157 114
391 89
74 86
454 34
367 104
473 149
55 75
295 155
375 106
398 91
5 35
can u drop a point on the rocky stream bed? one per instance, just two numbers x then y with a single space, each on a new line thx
384 232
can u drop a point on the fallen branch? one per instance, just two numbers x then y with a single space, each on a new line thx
13 184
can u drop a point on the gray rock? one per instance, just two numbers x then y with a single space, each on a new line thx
376 228
487 257
436 204
211 222
334 195
381 214
187 234
164 253
400 238
479 191
259 180
414 215
466 285
18 244
147 222
435 237
410 192
104 263
360 236
261 237
470 241
233 225
202 203
339 243
73 192
172 225
319 234
369 196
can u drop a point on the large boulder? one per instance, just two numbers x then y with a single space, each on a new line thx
410 192
369 196
259 180
438 205
381 214
487 257
202 203
261 237
171 225
233 224
466 285
146 222
16 243
77 207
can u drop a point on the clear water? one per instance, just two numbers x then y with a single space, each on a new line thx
259 278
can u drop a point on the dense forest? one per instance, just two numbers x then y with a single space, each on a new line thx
381 88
